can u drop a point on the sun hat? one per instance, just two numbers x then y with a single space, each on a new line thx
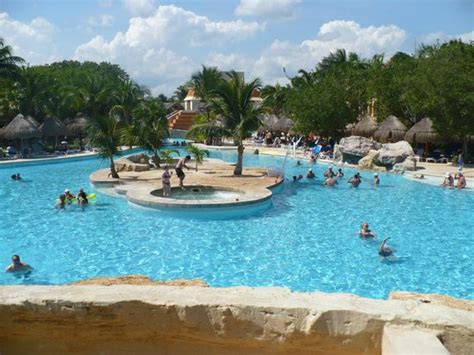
310 169
376 174
66 191
447 175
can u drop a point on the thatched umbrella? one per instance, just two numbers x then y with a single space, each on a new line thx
391 130
21 128
275 123
32 121
422 132
366 126
77 127
53 127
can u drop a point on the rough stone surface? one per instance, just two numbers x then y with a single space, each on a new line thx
409 164
124 319
393 153
137 280
411 341
353 148
367 162
434 299
137 162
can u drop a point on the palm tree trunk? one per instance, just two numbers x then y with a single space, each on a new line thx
113 172
240 158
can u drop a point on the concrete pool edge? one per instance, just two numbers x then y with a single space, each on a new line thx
241 319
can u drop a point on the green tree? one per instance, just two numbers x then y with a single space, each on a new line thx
205 83
274 99
233 103
167 155
197 154
105 133
152 126
444 83
9 64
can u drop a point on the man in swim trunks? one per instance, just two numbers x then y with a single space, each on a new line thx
179 169
17 265
448 180
310 174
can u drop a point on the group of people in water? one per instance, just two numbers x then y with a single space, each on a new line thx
449 180
68 198
331 177
384 250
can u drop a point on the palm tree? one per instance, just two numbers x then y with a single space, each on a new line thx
128 94
167 155
197 154
105 133
205 83
240 114
274 99
152 127
9 64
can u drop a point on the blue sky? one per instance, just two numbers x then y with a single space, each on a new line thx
161 43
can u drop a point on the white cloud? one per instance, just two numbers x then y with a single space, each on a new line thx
29 40
332 35
435 37
139 7
155 49
228 61
267 8
103 20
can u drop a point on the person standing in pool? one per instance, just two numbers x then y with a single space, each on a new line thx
61 203
461 181
17 265
166 182
69 196
355 181
179 169
376 179
82 197
365 231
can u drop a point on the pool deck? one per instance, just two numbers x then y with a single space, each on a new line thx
254 185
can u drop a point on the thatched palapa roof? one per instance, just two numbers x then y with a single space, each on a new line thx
53 127
422 132
391 129
32 121
366 126
274 123
77 126
21 128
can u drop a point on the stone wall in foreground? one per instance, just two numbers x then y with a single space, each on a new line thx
126 319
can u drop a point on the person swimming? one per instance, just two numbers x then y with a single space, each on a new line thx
355 180
448 180
61 202
376 179
329 173
384 250
297 178
365 231
461 181
310 174
16 176
82 197
69 196
17 265
340 173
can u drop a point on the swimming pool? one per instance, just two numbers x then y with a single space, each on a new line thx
306 241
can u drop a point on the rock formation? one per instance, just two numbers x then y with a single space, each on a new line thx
352 149
137 162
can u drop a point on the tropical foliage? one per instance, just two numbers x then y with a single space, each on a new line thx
197 154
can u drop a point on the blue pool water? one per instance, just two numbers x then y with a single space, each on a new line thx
305 241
